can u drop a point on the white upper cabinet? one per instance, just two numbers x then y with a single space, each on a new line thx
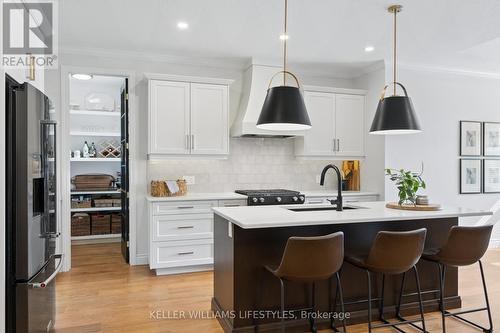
188 118
209 119
338 127
169 105
350 125
319 140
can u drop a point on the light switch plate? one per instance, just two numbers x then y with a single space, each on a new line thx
190 180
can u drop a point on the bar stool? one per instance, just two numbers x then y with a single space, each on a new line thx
309 260
465 246
392 253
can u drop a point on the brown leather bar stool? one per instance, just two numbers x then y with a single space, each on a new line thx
392 253
309 260
465 246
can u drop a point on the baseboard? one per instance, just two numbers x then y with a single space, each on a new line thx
184 269
494 243
141 259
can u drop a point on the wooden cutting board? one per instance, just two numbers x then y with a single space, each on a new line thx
429 207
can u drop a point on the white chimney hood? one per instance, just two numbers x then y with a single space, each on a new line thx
255 84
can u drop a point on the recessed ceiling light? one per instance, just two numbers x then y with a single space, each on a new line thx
80 76
284 37
369 48
182 25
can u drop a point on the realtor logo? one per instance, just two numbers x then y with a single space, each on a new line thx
29 29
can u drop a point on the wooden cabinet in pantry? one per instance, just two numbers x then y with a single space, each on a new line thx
188 116
338 124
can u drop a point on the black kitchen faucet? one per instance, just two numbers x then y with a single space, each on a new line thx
338 201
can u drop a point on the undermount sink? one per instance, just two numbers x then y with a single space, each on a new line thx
314 209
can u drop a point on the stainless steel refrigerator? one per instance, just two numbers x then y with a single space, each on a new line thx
31 196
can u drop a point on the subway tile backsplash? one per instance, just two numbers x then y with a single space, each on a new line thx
253 163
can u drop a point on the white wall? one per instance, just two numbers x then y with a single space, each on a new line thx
441 100
372 168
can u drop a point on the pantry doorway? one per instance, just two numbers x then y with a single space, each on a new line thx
97 192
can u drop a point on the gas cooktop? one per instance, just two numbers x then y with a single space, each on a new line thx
272 197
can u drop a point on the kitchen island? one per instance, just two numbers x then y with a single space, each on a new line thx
247 238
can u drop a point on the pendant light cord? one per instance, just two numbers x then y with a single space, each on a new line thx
395 44
285 37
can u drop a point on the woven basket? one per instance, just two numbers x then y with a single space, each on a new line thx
101 224
80 224
93 182
159 188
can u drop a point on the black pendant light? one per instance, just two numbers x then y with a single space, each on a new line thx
395 114
284 108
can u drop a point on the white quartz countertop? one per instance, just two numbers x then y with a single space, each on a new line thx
251 217
200 196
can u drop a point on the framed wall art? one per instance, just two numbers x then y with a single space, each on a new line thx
470 138
491 179
470 176
491 133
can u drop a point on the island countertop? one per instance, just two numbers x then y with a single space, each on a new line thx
252 217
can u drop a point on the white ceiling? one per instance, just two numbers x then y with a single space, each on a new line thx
448 33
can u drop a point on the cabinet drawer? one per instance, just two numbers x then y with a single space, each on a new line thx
232 203
181 253
183 207
188 226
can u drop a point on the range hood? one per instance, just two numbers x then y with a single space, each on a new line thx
255 84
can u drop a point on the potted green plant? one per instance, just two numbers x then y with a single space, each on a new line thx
408 183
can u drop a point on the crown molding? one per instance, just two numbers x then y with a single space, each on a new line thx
421 67
212 62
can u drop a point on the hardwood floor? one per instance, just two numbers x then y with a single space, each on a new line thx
103 294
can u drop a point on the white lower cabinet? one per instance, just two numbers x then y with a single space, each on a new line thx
181 235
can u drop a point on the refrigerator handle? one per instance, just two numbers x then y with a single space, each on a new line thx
52 276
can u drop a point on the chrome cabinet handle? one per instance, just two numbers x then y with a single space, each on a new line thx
231 205
185 207
334 144
185 253
52 276
315 202
187 142
338 144
185 227
192 141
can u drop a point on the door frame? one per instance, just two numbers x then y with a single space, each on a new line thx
64 162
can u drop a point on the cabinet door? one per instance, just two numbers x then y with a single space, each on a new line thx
318 141
209 119
350 125
168 117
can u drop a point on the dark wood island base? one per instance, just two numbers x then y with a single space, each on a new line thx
241 285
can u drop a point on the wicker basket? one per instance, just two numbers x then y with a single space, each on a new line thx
100 203
101 224
117 202
77 203
93 182
116 224
80 224
159 188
